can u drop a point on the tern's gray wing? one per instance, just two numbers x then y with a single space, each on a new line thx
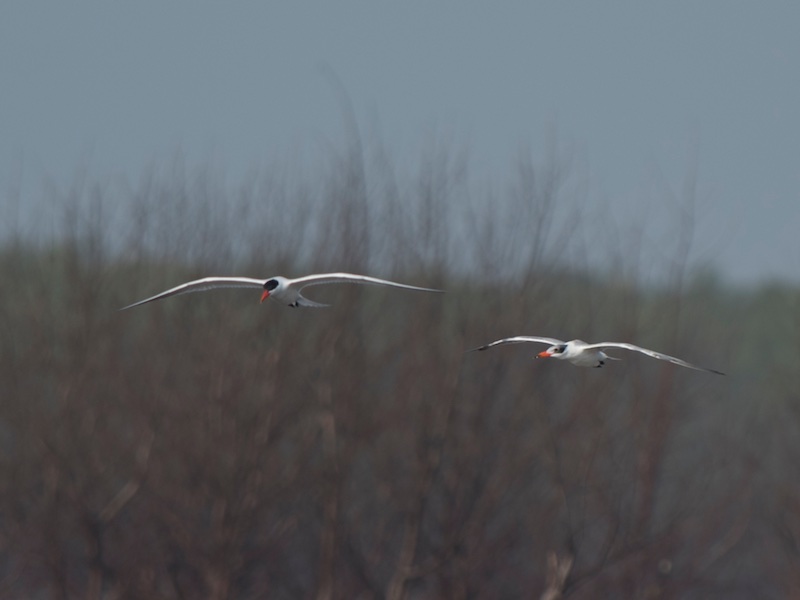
651 353
324 278
520 339
201 285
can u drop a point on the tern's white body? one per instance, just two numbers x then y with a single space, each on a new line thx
582 354
282 289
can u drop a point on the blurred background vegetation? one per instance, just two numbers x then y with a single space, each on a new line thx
211 447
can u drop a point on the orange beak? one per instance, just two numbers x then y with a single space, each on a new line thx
544 354
265 295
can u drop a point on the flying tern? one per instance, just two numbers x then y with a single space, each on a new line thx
582 354
281 289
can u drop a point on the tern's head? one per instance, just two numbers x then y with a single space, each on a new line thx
556 351
270 285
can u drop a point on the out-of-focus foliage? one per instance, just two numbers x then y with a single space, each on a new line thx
206 446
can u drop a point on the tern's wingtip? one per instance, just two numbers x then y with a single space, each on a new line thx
707 370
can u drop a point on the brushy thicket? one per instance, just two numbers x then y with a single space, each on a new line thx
209 447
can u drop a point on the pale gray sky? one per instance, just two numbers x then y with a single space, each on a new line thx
642 91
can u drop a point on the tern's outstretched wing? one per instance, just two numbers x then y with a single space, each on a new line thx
324 278
201 285
651 353
520 339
